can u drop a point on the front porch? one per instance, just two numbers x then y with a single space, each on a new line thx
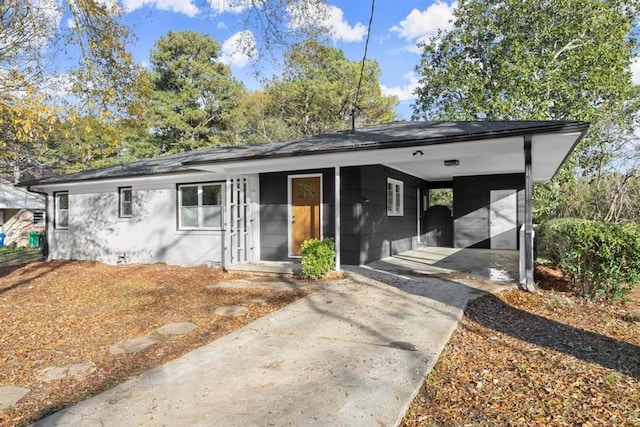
496 265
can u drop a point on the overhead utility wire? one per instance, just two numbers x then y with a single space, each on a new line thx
364 57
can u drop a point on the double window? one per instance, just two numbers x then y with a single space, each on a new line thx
200 206
125 202
61 210
395 196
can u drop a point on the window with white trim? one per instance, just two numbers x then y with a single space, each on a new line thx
61 210
125 202
395 197
200 206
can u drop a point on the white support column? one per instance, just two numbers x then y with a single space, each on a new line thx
226 250
529 283
254 221
337 215
418 212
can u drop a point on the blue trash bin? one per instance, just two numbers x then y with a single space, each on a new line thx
2 239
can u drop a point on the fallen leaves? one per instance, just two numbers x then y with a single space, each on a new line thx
65 313
524 359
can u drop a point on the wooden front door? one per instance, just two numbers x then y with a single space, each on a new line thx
305 211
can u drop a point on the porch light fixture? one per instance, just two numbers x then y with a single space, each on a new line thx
454 162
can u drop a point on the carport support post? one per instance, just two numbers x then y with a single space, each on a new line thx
337 215
529 284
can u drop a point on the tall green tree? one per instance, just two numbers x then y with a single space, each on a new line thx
520 59
320 86
546 60
193 93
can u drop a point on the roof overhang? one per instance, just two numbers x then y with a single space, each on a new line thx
434 151
425 160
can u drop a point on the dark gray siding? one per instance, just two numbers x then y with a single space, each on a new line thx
382 235
471 199
274 211
350 215
367 233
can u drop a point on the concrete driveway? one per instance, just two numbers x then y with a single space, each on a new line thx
353 354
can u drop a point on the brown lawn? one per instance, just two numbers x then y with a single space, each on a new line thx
548 360
61 313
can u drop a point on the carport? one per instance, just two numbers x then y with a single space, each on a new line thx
491 167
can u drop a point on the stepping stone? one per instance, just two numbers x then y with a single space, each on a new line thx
81 368
231 311
133 345
10 395
53 373
176 328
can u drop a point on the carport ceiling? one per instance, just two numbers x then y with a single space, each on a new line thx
426 160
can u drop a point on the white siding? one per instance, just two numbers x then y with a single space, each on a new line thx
96 233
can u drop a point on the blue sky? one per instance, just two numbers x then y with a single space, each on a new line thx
397 28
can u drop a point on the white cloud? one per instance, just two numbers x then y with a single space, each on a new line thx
32 33
328 16
59 85
635 70
420 25
404 93
186 7
239 49
231 6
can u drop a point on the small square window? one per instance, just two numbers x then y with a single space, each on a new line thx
125 196
395 197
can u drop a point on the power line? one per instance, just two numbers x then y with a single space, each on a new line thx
364 58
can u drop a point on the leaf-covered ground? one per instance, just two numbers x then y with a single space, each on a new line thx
550 359
61 313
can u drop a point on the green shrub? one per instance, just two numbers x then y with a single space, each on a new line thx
602 260
318 257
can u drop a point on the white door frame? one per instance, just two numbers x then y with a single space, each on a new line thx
290 209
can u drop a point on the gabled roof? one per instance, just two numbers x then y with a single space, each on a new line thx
366 139
12 197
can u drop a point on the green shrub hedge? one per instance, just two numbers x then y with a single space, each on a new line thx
602 260
318 257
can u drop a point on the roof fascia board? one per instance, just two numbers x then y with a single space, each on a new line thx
409 143
129 180
573 147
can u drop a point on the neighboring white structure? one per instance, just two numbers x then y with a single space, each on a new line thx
20 212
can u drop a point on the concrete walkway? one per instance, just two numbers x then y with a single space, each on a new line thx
353 354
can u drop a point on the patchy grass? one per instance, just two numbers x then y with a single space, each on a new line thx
61 313
550 359
18 255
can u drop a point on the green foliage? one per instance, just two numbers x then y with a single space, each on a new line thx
442 197
193 93
318 87
601 259
528 60
318 257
